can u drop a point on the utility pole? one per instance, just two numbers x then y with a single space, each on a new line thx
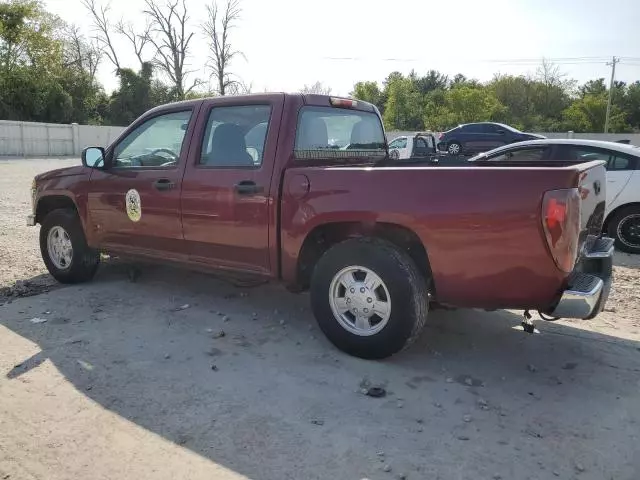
613 75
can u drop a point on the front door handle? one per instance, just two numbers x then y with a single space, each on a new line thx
163 184
247 187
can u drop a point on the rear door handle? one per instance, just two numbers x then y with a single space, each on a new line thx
247 187
163 184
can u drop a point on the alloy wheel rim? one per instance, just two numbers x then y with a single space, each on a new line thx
360 300
59 248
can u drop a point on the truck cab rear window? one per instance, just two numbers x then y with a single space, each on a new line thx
325 132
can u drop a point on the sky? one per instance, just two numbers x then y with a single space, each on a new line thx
291 43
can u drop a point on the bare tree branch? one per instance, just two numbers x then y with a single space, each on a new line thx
317 88
103 27
137 40
168 35
221 52
79 52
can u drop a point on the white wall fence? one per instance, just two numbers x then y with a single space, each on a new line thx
634 138
30 139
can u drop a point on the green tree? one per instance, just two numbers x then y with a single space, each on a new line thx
462 105
403 107
460 80
515 93
44 73
550 96
368 92
433 80
632 106
133 97
587 114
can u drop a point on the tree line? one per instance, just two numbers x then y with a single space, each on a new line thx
48 67
544 102
48 74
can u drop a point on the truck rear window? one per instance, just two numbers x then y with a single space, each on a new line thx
327 132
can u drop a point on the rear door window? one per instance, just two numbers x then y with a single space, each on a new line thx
474 128
235 136
328 132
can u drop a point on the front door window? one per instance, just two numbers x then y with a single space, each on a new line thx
155 143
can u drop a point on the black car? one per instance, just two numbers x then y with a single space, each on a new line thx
480 137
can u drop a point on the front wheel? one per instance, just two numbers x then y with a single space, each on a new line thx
64 248
369 298
624 227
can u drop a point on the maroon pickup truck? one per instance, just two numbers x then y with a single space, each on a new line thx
298 188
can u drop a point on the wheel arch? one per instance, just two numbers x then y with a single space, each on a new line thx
49 203
326 235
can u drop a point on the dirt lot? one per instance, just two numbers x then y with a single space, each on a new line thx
136 380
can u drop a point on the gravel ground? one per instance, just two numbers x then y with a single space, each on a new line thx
180 375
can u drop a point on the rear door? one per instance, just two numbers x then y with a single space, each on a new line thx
495 136
225 191
474 138
134 203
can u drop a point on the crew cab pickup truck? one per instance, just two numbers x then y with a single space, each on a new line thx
252 185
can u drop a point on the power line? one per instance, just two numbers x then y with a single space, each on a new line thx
512 61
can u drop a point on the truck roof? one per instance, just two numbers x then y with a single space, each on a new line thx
307 99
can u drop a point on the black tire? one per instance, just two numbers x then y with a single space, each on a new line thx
454 148
407 289
618 225
84 260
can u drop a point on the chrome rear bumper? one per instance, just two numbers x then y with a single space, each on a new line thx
588 286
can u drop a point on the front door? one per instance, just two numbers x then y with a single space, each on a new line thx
226 203
134 203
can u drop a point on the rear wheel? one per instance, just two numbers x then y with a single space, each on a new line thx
64 248
454 148
624 227
368 297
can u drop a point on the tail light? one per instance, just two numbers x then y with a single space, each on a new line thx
343 102
561 223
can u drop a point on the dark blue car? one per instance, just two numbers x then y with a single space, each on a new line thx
479 137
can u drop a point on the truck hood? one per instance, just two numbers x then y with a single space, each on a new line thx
62 172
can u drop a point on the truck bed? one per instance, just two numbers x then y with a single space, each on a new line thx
481 227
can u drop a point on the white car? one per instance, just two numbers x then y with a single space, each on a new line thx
418 145
622 214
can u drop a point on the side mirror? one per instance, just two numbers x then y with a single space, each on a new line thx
93 157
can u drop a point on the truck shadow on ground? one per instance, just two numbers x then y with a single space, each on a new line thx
244 378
